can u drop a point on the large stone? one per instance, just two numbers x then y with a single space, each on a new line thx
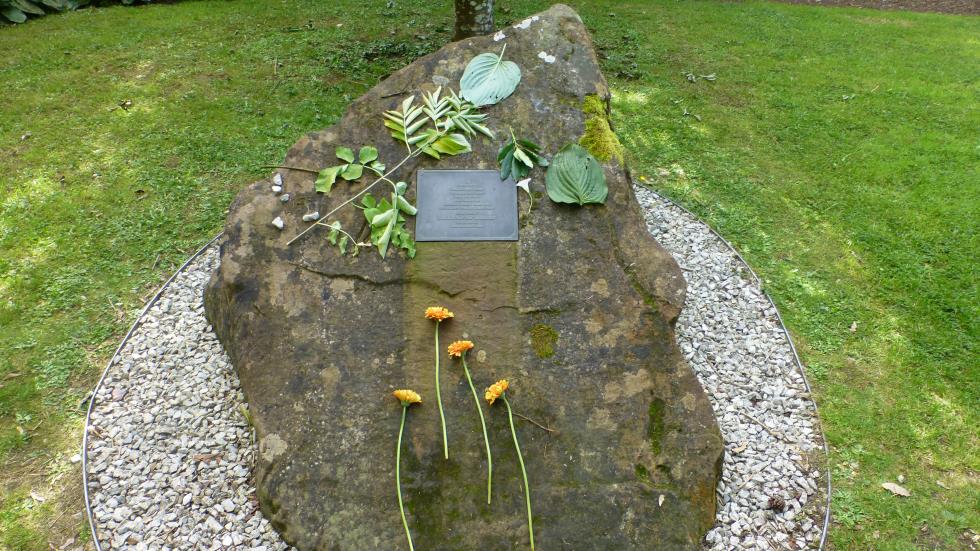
578 314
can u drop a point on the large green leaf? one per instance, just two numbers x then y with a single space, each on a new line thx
13 14
27 6
352 171
326 178
367 154
576 177
488 79
345 154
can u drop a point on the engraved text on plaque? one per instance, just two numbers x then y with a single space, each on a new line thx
465 205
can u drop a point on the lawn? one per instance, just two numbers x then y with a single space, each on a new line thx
836 148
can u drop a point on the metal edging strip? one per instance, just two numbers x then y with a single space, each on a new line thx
789 339
91 403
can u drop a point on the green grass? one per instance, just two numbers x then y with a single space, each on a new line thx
837 149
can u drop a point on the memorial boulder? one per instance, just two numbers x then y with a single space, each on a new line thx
577 312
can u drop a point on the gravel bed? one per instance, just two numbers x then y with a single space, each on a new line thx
170 453
772 494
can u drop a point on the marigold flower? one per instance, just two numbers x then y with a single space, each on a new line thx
495 390
407 397
459 348
438 313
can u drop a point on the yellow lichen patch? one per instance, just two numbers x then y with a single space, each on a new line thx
599 138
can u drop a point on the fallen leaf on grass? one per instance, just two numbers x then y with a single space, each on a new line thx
941 485
37 497
741 448
854 326
660 502
896 489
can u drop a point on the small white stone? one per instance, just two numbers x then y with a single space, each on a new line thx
278 223
284 197
499 36
277 179
311 217
276 189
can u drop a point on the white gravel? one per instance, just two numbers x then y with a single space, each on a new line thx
730 334
170 452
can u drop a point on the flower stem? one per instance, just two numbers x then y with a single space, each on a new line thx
520 459
486 439
398 478
442 415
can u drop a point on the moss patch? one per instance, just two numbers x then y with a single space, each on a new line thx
599 138
656 427
543 340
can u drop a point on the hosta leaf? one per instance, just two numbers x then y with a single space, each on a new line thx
346 154
576 177
352 171
13 14
27 6
488 78
326 178
367 154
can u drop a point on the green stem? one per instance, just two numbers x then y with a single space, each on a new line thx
442 415
486 439
398 478
520 459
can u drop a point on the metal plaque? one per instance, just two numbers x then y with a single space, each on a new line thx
465 205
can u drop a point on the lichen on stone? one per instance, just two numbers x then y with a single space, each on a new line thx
543 340
599 138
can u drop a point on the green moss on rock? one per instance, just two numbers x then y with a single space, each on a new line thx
657 427
599 138
543 340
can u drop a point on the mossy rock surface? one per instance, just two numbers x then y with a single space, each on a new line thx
578 314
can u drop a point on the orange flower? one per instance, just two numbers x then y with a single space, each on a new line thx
407 397
495 390
459 348
438 313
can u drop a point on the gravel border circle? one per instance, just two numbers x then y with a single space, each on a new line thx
170 450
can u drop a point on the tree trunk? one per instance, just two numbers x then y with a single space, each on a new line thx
473 17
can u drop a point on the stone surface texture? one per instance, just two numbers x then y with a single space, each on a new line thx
169 447
578 314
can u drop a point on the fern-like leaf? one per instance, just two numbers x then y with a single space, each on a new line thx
404 123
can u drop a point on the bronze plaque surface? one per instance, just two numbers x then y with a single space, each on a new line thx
465 205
